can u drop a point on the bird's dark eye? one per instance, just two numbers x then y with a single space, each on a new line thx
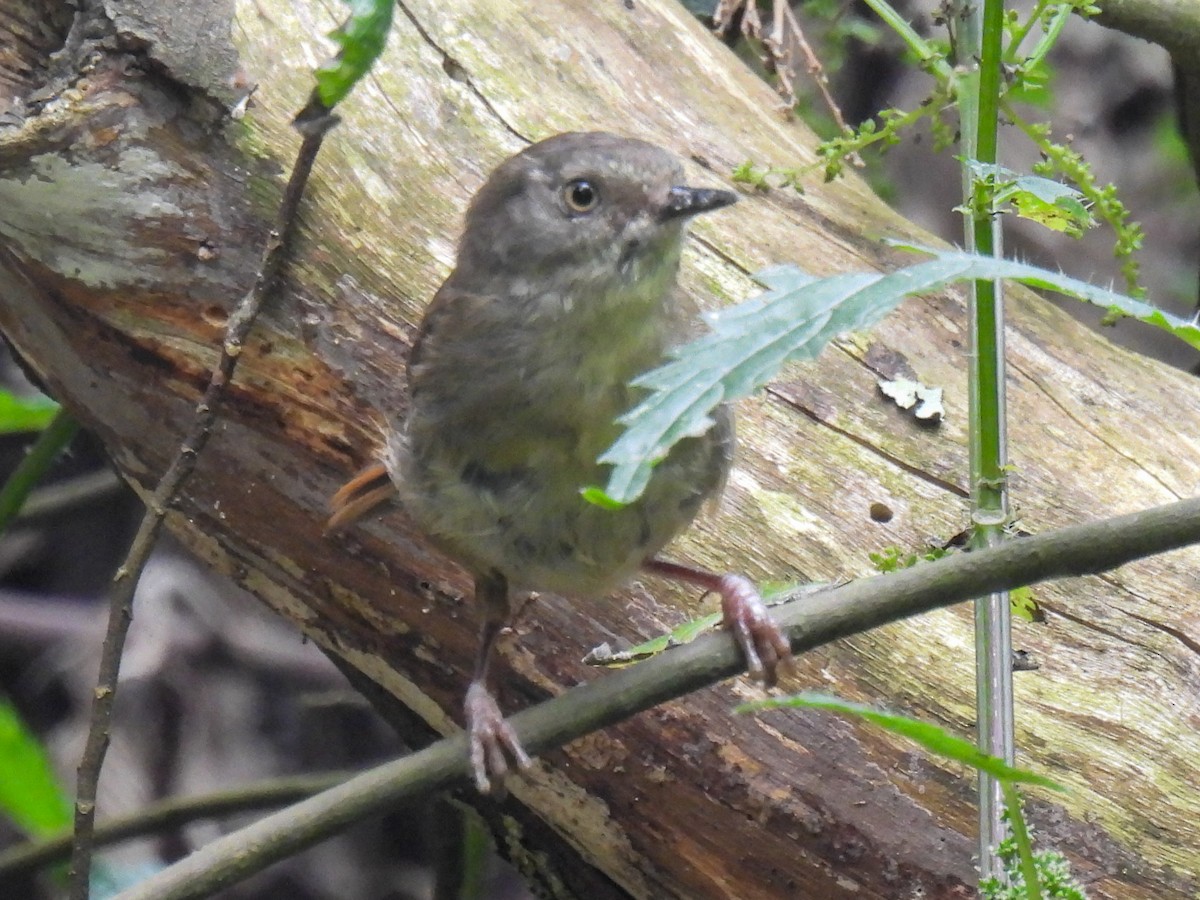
581 196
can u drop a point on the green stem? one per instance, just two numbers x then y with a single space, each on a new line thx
1018 38
1049 38
1016 821
33 467
861 141
982 39
926 54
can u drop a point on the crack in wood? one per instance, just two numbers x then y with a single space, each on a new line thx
1182 636
1036 382
1115 635
456 71
915 471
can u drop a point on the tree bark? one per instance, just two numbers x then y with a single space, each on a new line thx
132 208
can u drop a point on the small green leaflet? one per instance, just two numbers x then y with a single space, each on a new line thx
29 792
25 413
361 39
893 559
794 320
595 495
1035 87
932 737
1023 605
605 657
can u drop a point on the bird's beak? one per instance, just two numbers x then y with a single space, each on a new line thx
685 202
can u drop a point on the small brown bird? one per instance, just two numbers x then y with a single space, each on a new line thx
563 292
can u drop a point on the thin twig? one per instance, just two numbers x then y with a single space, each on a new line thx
811 620
785 30
816 71
313 128
23 859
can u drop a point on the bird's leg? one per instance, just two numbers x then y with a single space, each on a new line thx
490 737
743 612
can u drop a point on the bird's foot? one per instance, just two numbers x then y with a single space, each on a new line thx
745 614
491 739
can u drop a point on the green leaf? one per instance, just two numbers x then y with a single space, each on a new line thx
608 658
1053 204
773 593
29 792
755 176
361 39
795 319
1065 213
1033 84
1024 606
893 559
54 438
25 413
595 495
932 737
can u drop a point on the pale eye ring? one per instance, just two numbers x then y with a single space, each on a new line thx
580 195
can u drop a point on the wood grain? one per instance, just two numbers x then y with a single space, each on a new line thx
131 212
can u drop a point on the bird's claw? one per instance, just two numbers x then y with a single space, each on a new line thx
492 740
744 613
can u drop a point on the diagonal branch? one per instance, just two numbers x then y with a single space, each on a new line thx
22 860
812 620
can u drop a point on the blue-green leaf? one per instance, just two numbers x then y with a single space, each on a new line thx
794 320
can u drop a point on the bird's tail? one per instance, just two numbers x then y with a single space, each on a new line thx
360 496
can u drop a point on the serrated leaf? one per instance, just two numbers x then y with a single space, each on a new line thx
1051 203
1064 213
25 413
29 792
932 737
361 39
794 320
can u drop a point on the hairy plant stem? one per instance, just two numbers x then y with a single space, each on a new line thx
982 37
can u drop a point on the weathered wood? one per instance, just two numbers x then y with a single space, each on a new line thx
131 212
